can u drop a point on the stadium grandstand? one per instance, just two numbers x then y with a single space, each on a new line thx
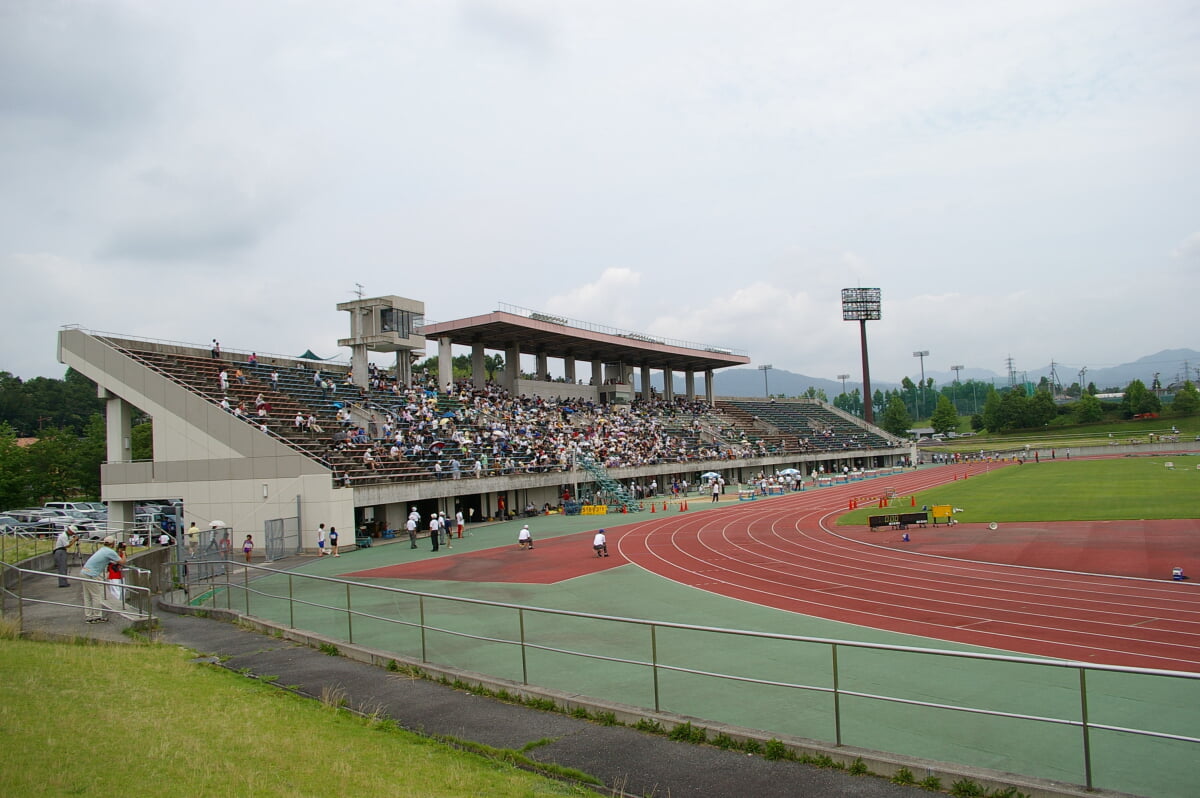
272 445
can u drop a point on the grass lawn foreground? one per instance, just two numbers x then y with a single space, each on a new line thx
147 720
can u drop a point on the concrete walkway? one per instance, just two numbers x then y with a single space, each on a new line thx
628 762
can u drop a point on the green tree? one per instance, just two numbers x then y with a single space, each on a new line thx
1138 399
141 441
1088 409
14 480
944 418
89 456
896 419
52 465
1040 410
992 418
1187 399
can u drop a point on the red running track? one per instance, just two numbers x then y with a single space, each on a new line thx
783 553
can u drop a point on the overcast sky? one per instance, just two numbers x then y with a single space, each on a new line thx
1021 179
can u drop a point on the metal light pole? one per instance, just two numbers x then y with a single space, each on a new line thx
924 353
863 305
956 370
843 378
764 369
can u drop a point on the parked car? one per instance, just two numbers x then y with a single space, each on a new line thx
75 508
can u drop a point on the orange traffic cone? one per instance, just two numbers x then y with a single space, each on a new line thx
914 500
651 506
685 504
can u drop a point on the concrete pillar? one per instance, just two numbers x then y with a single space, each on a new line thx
478 367
669 383
542 370
708 386
689 384
512 367
569 368
445 363
404 366
645 381
119 418
358 364
597 372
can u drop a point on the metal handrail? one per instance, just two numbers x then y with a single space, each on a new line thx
836 690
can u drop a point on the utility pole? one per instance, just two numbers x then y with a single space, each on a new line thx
956 370
924 353
1082 384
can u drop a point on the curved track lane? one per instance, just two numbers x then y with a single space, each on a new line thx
783 553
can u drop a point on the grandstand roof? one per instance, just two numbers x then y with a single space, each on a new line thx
558 337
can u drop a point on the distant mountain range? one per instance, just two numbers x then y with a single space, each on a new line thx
1169 364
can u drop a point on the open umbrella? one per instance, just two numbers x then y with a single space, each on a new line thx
787 471
710 475
448 414
217 524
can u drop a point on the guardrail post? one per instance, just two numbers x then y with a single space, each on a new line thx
1087 742
524 662
20 601
837 699
421 607
654 662
246 586
349 617
291 604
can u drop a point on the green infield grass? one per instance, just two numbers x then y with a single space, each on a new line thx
1119 489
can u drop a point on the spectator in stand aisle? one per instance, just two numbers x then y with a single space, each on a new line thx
298 423
317 377
240 410
225 403
274 380
459 522
600 544
240 376
455 468
525 538
223 380
216 349
477 468
369 459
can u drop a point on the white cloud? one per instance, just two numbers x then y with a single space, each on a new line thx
1014 178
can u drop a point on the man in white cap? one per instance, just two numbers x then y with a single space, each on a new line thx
95 571
525 537
600 544
66 538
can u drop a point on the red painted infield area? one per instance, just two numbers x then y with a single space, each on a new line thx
1055 590
549 561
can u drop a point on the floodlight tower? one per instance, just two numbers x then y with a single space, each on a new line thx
766 389
862 305
843 378
924 353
